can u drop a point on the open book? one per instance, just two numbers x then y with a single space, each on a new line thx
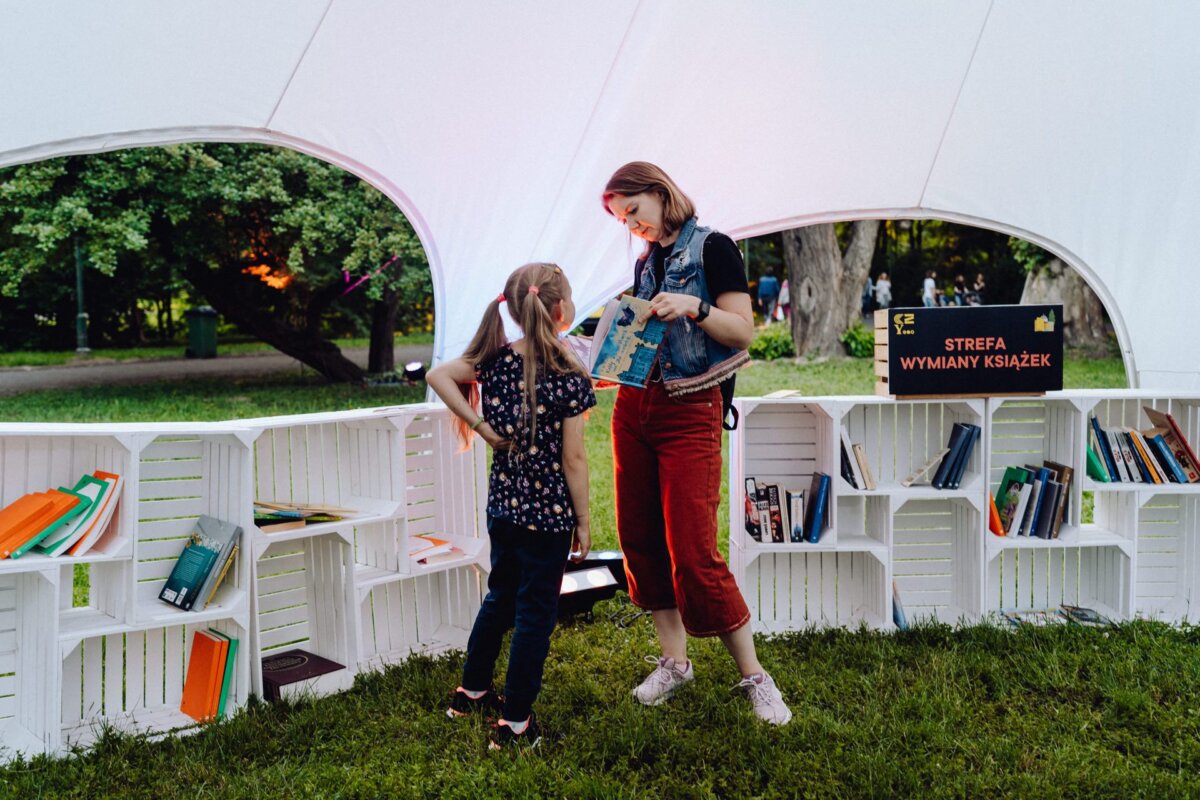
623 349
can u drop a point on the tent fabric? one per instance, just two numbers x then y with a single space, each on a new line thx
495 126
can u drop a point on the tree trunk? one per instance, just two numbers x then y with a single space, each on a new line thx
382 356
1085 322
826 284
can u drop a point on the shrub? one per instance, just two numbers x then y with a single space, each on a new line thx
859 341
774 342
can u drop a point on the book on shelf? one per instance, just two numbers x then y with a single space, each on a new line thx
268 522
1158 445
211 589
302 510
775 508
626 342
209 545
848 454
916 475
54 509
1120 456
102 504
1040 476
750 511
1051 490
818 495
292 666
1086 616
205 673
1147 464
864 465
994 524
958 434
954 480
1009 497
1128 456
1180 447
99 527
1064 475
847 472
1104 449
1095 467
228 673
424 545
795 502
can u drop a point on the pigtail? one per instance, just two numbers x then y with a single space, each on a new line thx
484 346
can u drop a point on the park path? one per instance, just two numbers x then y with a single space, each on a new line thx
15 380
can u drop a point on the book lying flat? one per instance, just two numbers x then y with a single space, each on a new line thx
292 666
625 345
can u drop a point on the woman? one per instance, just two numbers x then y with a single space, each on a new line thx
883 292
667 437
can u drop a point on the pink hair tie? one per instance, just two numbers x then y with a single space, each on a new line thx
534 290
500 298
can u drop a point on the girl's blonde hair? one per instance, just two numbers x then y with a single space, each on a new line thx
642 176
532 311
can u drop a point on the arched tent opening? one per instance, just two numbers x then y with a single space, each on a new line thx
1072 260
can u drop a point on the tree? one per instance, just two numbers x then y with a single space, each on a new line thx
826 282
1050 280
275 240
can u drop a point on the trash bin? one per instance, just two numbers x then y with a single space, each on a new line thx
202 332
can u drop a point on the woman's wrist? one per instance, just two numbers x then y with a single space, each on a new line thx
475 425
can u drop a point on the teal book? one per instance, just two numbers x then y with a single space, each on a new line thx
227 678
206 543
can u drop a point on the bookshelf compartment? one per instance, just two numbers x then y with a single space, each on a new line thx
303 599
864 523
1046 578
937 546
419 614
901 436
797 590
1168 557
27 680
1126 410
184 475
133 681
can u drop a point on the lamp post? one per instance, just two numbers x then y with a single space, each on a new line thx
81 317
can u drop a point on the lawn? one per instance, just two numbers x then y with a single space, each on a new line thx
934 711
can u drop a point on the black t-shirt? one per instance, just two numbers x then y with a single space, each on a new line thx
724 269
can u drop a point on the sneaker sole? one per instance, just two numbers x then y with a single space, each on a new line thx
662 698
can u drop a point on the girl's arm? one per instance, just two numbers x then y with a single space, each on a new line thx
575 468
445 379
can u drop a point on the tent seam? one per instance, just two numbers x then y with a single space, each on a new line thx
296 68
954 106
587 127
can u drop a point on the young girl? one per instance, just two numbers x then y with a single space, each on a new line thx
534 392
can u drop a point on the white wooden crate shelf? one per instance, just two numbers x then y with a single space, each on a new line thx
936 549
1168 556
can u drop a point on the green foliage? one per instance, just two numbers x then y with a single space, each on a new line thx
772 343
1029 255
859 341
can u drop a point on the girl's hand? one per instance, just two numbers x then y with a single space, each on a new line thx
669 306
581 544
494 440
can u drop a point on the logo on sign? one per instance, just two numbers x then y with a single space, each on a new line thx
905 323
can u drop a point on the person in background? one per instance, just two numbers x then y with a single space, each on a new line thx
534 392
768 294
883 291
868 295
929 289
978 288
960 290
667 437
785 300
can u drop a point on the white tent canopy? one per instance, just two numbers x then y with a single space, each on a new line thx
495 125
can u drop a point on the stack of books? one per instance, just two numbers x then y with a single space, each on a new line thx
1056 616
428 549
776 514
949 464
276 516
856 468
1159 454
201 568
60 520
1032 501
209 675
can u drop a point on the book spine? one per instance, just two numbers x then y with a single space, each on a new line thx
955 444
1105 450
960 468
751 510
818 521
1168 455
777 535
796 512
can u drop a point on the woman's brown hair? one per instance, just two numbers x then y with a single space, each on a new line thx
531 293
642 176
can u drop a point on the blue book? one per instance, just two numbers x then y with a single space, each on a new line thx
955 443
819 494
1163 451
960 467
1105 450
1041 476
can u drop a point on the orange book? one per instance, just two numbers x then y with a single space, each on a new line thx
56 504
19 513
994 523
206 667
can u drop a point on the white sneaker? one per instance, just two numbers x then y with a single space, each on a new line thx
663 681
765 697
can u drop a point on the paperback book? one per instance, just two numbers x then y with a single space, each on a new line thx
626 342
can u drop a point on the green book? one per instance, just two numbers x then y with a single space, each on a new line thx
72 513
227 679
94 490
1095 467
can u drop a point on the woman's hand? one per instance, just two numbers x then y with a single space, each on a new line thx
494 440
669 306
581 543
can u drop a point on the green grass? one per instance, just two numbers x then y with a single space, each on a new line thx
929 712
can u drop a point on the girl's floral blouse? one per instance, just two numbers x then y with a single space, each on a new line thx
528 486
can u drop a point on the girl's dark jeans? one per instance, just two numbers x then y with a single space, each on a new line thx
523 589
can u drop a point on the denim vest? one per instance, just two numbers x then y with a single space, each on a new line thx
688 358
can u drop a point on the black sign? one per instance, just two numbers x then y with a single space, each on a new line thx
976 350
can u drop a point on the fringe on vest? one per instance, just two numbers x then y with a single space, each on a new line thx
705 380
